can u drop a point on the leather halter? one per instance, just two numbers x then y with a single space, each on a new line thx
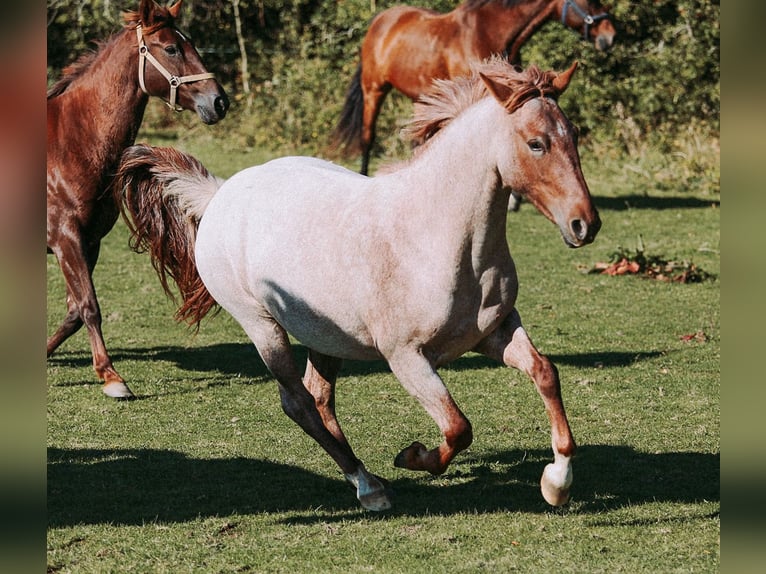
588 19
174 81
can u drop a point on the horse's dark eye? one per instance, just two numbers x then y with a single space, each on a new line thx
171 50
536 146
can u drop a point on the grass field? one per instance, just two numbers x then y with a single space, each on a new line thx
204 473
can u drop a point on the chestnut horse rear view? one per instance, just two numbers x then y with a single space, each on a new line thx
94 113
406 48
412 267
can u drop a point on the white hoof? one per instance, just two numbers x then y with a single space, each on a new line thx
370 491
375 501
555 484
118 390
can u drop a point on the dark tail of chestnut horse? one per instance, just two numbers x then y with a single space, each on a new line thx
347 135
162 194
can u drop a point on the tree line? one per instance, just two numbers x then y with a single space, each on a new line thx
287 63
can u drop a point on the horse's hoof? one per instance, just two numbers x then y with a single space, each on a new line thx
554 489
409 458
375 501
118 390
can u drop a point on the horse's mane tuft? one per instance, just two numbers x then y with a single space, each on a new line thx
79 67
449 98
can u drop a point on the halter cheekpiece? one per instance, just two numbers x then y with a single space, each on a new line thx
174 81
588 19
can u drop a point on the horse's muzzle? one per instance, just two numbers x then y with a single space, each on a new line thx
604 42
212 109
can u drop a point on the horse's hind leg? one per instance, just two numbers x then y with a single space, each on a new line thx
420 379
374 95
319 379
510 345
83 308
69 326
301 406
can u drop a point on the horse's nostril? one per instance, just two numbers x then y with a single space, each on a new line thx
579 228
221 104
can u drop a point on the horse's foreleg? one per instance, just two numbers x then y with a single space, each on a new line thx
420 379
83 307
511 345
514 202
301 406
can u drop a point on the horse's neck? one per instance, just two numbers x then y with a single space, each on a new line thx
110 101
510 28
452 188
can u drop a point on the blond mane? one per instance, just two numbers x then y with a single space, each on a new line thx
449 98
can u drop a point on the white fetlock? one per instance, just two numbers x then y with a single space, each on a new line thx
369 490
117 390
556 480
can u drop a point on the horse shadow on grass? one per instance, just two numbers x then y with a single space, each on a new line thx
625 202
140 486
241 362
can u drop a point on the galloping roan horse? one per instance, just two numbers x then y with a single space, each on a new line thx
412 266
94 113
406 48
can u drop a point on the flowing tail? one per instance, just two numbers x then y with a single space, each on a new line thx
162 194
347 136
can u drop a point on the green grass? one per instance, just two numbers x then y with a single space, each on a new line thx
204 473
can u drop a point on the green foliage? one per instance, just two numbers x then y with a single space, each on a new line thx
661 78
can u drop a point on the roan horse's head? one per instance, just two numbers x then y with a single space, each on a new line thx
169 66
591 19
542 162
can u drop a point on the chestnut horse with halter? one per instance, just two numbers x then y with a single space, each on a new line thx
406 48
412 267
94 113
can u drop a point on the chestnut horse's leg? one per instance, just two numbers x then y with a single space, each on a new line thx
77 268
510 345
273 344
418 376
374 94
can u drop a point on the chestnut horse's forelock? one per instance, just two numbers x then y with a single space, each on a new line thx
167 234
450 97
161 18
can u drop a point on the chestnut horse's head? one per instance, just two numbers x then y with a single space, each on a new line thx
169 66
542 162
591 19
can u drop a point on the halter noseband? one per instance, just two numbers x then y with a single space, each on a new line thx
588 20
174 81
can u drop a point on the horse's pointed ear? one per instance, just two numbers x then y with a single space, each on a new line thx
146 11
175 9
561 81
501 92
